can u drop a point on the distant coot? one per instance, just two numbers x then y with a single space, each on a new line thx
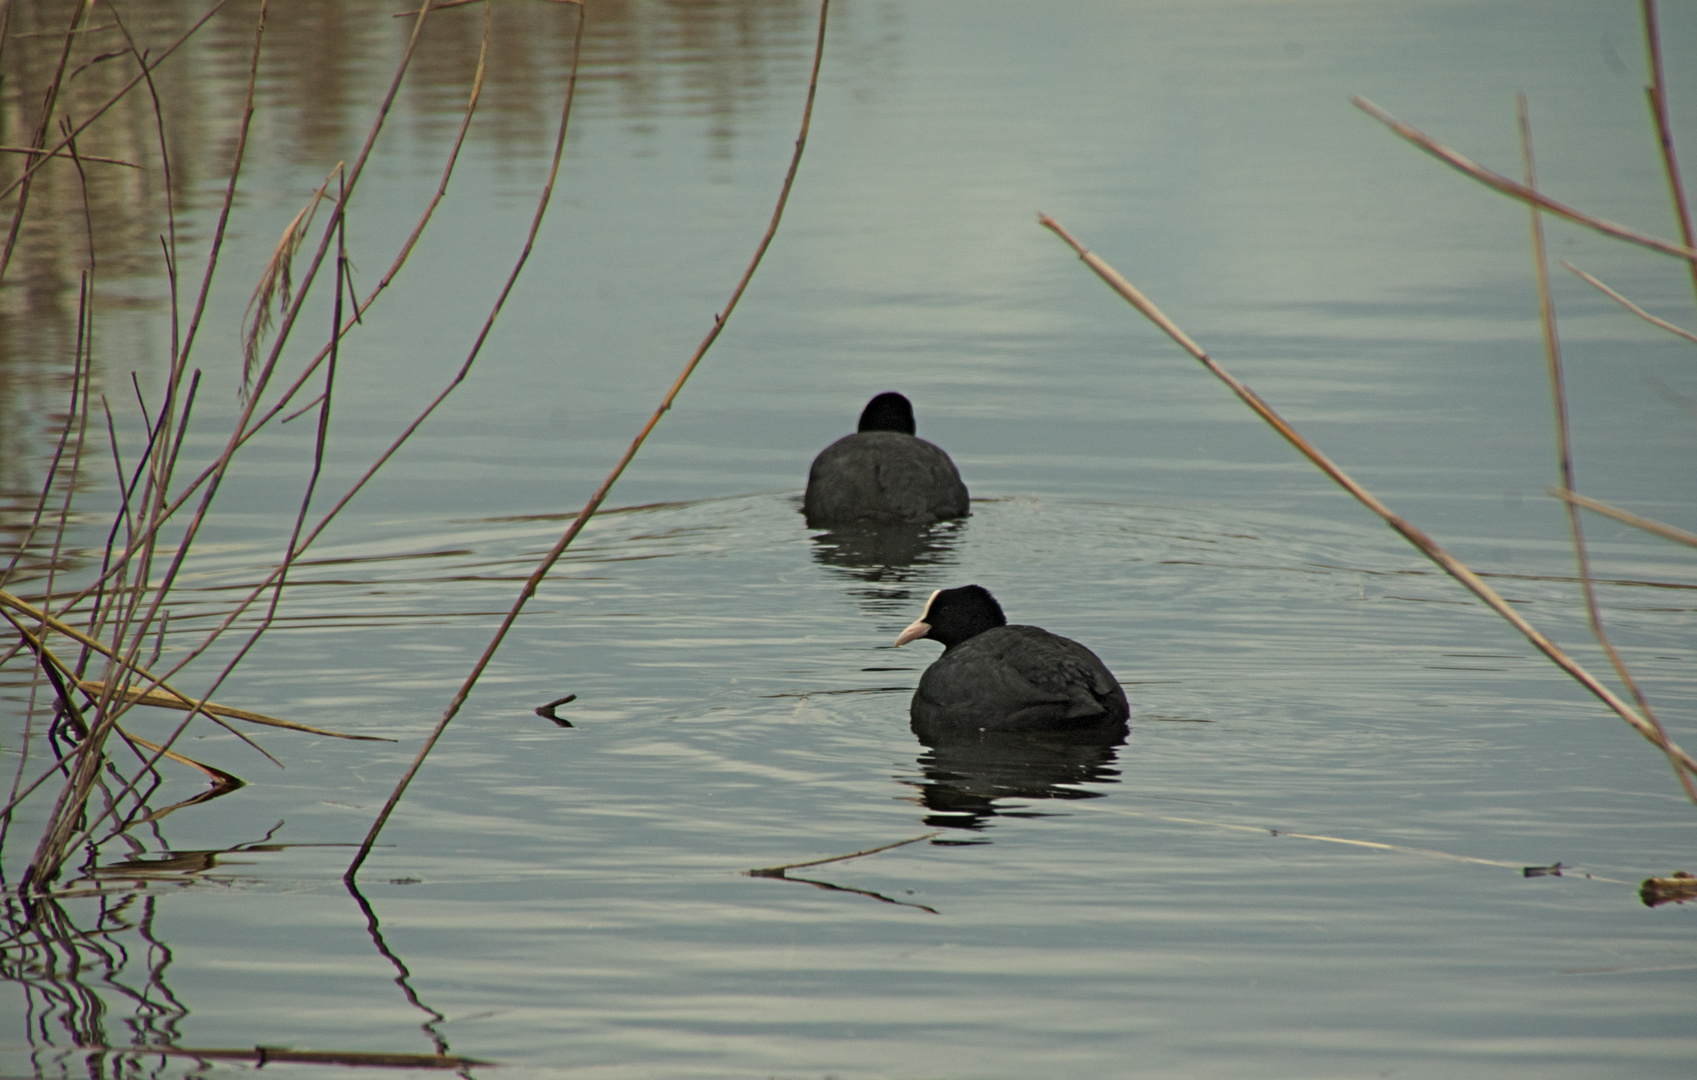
883 475
993 677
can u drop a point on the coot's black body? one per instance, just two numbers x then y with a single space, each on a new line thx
993 677
883 474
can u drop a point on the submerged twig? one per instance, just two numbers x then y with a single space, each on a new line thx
547 711
1427 546
778 871
600 494
1668 890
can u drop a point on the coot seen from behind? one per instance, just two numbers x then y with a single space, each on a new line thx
993 677
883 474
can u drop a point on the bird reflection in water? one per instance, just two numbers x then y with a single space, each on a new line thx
890 565
887 553
968 779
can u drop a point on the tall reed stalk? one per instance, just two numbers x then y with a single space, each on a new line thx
111 619
1637 713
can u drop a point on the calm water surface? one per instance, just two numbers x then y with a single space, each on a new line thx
1306 858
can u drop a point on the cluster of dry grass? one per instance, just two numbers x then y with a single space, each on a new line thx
107 776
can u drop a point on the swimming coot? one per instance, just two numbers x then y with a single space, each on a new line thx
995 677
883 475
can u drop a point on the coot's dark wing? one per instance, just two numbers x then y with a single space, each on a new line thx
1018 677
883 477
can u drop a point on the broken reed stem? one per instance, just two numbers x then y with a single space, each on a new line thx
1427 546
600 494
1519 191
1656 92
1564 452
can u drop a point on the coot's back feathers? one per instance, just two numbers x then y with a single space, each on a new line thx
995 677
883 474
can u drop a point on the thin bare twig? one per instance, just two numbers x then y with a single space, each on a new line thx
1427 546
601 492
86 157
1630 306
1520 191
1649 525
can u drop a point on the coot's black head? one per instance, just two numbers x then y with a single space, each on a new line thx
887 412
954 615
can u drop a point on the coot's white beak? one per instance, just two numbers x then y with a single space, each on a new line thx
914 632
920 627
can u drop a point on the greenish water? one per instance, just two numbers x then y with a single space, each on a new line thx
1306 859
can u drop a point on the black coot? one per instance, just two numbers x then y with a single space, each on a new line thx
993 677
883 475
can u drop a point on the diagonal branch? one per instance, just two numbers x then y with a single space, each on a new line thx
1428 547
601 492
1520 191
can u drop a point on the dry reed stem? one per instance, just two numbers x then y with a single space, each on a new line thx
1649 525
63 679
79 392
225 780
28 174
600 494
1656 92
90 750
39 141
215 472
83 157
238 157
1519 191
77 413
247 428
168 698
164 695
1564 452
55 843
1427 546
221 465
166 186
261 1055
1630 306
